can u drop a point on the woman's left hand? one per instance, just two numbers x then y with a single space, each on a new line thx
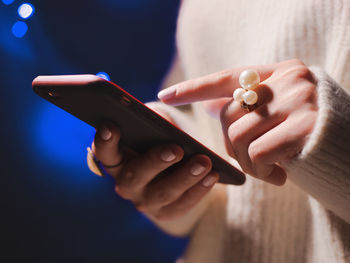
275 131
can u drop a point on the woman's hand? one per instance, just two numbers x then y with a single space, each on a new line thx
275 131
164 197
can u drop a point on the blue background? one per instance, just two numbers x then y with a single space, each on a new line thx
53 209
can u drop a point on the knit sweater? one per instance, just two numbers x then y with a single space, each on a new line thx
307 219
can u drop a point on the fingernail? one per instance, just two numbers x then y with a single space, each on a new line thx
197 169
209 180
105 133
167 93
167 155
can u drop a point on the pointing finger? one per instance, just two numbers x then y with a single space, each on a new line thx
213 86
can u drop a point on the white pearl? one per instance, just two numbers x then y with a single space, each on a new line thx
250 97
249 79
237 94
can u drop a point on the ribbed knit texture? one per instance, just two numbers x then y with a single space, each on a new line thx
306 220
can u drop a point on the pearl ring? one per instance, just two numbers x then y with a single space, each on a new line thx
249 79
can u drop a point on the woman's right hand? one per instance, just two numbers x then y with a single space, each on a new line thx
165 198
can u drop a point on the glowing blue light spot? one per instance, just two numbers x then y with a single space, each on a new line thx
19 29
25 10
60 136
103 75
8 2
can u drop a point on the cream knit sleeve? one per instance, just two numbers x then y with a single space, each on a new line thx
323 167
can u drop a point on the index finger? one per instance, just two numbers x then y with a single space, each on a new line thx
213 86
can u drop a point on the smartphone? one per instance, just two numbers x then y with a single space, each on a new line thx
94 100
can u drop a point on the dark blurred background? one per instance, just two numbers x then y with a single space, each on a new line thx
53 209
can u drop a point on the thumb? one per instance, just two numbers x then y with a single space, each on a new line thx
106 148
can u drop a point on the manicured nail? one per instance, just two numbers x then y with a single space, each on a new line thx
167 155
105 133
167 93
209 180
197 169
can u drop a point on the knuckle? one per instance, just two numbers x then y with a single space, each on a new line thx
298 72
303 72
189 84
123 192
309 89
290 62
256 153
125 176
160 216
141 207
129 178
305 93
184 205
235 135
125 182
279 113
287 64
224 75
161 197
134 182
296 61
246 168
309 93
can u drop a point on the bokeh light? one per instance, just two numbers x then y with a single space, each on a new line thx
103 75
61 137
25 10
8 2
19 29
